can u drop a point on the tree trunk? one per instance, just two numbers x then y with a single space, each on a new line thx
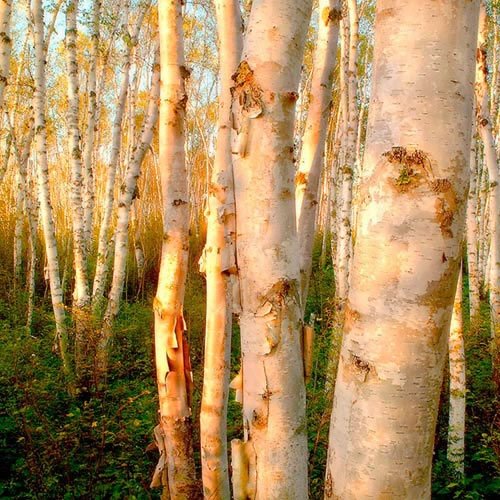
47 217
81 294
5 45
406 264
128 192
472 237
456 428
103 241
88 149
264 94
485 131
220 264
175 470
347 168
313 140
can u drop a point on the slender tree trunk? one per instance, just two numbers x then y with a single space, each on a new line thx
407 259
347 169
22 157
32 213
175 470
485 131
88 169
47 216
5 45
128 192
313 140
103 241
81 294
273 456
472 237
220 265
456 428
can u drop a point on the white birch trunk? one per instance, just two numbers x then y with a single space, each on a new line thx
220 265
81 293
88 169
5 45
456 350
408 251
313 140
472 237
175 470
344 248
116 141
46 214
485 131
128 192
264 95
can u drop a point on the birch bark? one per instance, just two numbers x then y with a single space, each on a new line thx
5 45
405 269
175 470
313 139
220 266
485 131
131 39
88 149
456 350
46 214
81 293
128 192
274 451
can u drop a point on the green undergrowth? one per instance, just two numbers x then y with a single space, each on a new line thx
54 445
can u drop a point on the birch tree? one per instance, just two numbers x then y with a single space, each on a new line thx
46 214
456 349
5 45
88 149
81 294
175 470
220 267
347 169
313 140
131 39
408 253
128 192
271 461
485 129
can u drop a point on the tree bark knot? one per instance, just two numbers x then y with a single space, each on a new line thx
247 91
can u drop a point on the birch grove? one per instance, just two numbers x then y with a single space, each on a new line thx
249 249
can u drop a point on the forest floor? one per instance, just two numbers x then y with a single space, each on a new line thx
53 445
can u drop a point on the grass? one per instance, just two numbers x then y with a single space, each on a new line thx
55 446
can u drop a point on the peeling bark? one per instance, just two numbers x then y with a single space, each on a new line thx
264 96
220 268
171 350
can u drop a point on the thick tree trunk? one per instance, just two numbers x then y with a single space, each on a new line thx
220 265
408 253
46 214
456 429
313 140
128 193
265 90
175 470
